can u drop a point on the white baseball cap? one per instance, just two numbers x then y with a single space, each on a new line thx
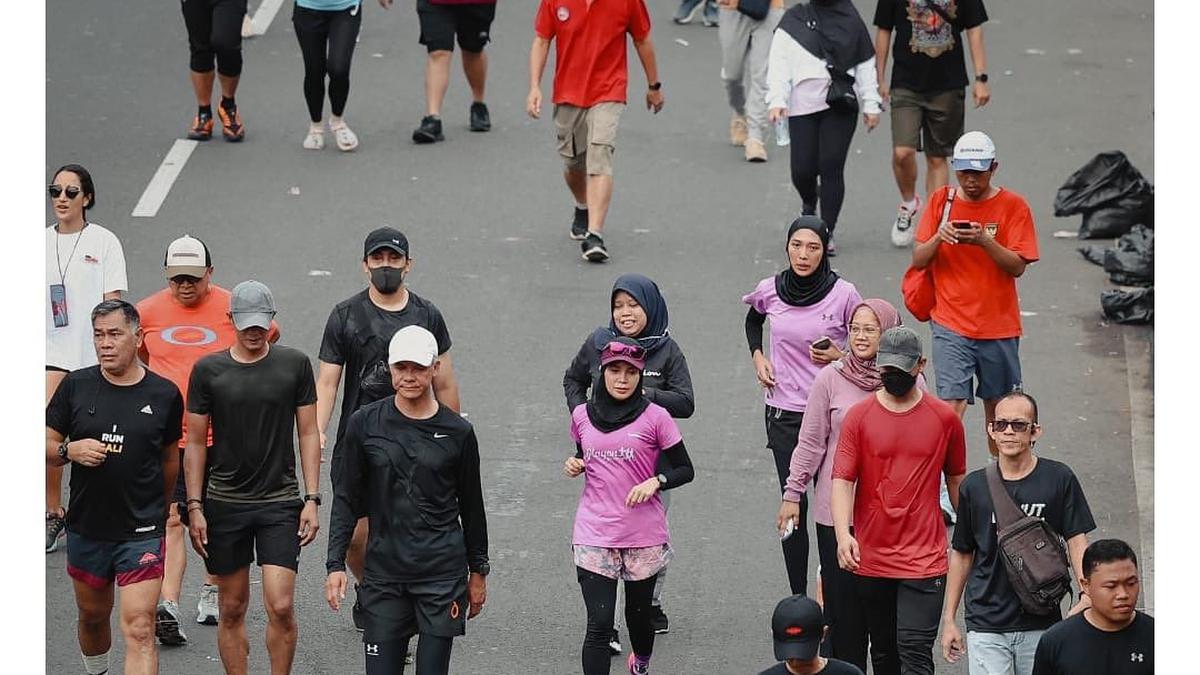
415 344
187 255
974 151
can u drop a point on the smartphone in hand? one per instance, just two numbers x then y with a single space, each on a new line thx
961 224
823 343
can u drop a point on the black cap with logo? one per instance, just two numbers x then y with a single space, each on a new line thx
798 626
386 237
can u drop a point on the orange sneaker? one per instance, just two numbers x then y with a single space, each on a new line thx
231 124
202 127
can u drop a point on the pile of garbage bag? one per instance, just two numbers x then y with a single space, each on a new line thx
1112 195
1129 263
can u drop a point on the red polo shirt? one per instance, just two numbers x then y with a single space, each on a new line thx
590 46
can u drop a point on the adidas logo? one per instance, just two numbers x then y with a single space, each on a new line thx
146 409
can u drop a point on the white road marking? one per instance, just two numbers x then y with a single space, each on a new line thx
265 14
164 178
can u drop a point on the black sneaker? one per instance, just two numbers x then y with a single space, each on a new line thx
614 643
579 224
659 621
480 119
357 610
593 248
430 130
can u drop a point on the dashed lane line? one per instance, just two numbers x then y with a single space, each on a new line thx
160 185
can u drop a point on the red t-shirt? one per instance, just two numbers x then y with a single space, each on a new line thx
896 459
975 298
590 46
176 337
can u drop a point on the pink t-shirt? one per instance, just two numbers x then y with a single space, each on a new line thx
793 329
614 462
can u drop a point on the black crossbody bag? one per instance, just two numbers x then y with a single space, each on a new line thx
841 96
755 9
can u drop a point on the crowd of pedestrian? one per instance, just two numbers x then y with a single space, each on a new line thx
186 412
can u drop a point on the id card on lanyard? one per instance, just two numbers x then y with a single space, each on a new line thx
58 292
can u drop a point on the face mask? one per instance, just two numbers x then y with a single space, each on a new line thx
897 382
387 280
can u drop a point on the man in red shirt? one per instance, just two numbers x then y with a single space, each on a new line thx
590 83
893 449
976 249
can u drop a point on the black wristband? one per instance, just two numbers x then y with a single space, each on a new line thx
193 500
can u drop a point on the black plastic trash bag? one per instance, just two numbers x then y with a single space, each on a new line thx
1131 263
1093 253
1112 195
1128 306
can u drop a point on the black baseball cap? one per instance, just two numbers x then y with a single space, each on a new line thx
386 237
798 626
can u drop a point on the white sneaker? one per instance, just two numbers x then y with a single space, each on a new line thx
345 138
207 610
315 140
902 227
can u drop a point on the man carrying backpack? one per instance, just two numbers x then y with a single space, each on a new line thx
1006 615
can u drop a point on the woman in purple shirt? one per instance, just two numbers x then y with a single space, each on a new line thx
621 525
809 307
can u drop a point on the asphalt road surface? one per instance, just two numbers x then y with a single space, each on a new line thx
487 216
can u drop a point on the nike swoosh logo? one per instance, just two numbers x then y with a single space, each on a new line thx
441 436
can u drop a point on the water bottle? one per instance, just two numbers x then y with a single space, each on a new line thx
782 138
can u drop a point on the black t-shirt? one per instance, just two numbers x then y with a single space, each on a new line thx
927 51
123 499
1050 492
252 408
832 667
356 338
414 480
1076 647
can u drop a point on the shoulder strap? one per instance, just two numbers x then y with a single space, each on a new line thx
950 194
1003 506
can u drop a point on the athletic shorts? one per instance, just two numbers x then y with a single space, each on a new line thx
587 137
928 121
239 534
399 610
98 563
958 360
630 564
440 23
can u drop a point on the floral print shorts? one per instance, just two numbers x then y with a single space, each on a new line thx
630 564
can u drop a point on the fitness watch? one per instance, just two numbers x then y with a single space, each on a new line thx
655 86
662 481
483 569
62 453
981 77
314 497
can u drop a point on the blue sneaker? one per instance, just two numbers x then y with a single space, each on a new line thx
687 11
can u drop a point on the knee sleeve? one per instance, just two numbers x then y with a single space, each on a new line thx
385 658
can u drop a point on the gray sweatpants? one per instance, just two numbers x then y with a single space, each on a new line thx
745 44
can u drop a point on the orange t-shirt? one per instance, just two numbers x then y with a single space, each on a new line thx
176 337
974 297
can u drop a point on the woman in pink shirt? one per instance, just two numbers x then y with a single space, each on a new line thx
621 525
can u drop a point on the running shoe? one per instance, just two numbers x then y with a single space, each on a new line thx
346 140
658 619
687 11
315 139
231 122
481 120
208 612
711 13
593 248
166 624
738 132
902 227
614 643
638 666
430 130
579 224
356 612
55 526
202 126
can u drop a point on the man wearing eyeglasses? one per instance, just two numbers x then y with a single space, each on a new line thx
182 323
1001 637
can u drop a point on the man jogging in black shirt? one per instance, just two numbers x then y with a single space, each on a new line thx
410 465
123 423
253 393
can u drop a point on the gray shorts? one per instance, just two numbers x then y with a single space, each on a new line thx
957 360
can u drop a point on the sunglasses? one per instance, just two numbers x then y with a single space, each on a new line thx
181 279
56 190
1019 426
622 349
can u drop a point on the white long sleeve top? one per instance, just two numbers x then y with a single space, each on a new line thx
799 81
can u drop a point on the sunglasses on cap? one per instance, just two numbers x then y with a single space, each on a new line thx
622 349
1019 426
56 190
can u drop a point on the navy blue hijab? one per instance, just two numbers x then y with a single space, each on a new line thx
646 293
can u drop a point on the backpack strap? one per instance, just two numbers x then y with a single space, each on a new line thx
1003 506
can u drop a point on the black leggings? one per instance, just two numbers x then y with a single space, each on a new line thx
387 658
327 44
214 29
600 598
783 428
820 143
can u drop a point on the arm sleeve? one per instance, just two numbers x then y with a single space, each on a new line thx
58 411
639 20
306 384
1077 515
198 400
578 378
677 396
544 21
845 460
885 14
348 496
931 217
811 442
956 448
470 504
964 528
578 450
114 268
866 85
754 329
333 350
680 470
779 81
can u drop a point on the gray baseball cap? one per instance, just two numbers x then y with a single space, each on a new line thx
251 304
899 347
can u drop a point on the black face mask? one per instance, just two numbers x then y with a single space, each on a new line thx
897 382
386 279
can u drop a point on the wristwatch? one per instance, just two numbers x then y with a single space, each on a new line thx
62 453
483 569
314 497
981 77
662 480
655 86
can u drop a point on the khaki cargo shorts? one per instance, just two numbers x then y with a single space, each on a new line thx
931 121
587 136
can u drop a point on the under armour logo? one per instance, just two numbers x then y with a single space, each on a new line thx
1134 656
372 650
828 317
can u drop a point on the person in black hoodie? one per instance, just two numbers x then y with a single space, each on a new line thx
639 311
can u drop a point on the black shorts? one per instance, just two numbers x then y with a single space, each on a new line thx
239 534
397 611
440 23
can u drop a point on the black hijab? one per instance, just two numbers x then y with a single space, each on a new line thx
607 413
832 27
801 291
645 292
